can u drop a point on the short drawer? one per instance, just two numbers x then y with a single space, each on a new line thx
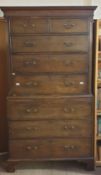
50 128
70 63
75 43
29 25
49 84
49 108
50 148
69 25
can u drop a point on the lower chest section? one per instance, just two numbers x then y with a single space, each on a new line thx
50 128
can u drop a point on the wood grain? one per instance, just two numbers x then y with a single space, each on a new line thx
3 86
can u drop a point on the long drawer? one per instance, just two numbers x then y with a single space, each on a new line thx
75 43
46 25
50 148
70 63
49 108
50 84
50 128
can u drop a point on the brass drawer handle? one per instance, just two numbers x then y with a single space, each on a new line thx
67 127
29 148
68 26
35 83
31 84
30 128
69 109
29 110
35 147
35 110
68 63
28 84
66 44
66 110
33 25
69 84
70 147
72 109
29 44
72 127
28 63
24 25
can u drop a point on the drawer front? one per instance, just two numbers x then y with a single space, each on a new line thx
50 108
50 128
49 84
54 63
29 25
48 25
50 148
69 25
50 43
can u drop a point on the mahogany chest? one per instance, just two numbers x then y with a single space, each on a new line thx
50 103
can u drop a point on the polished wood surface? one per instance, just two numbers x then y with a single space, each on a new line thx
3 87
28 44
49 84
64 63
50 149
41 25
39 108
50 128
57 91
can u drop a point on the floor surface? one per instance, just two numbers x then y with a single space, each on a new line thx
51 168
